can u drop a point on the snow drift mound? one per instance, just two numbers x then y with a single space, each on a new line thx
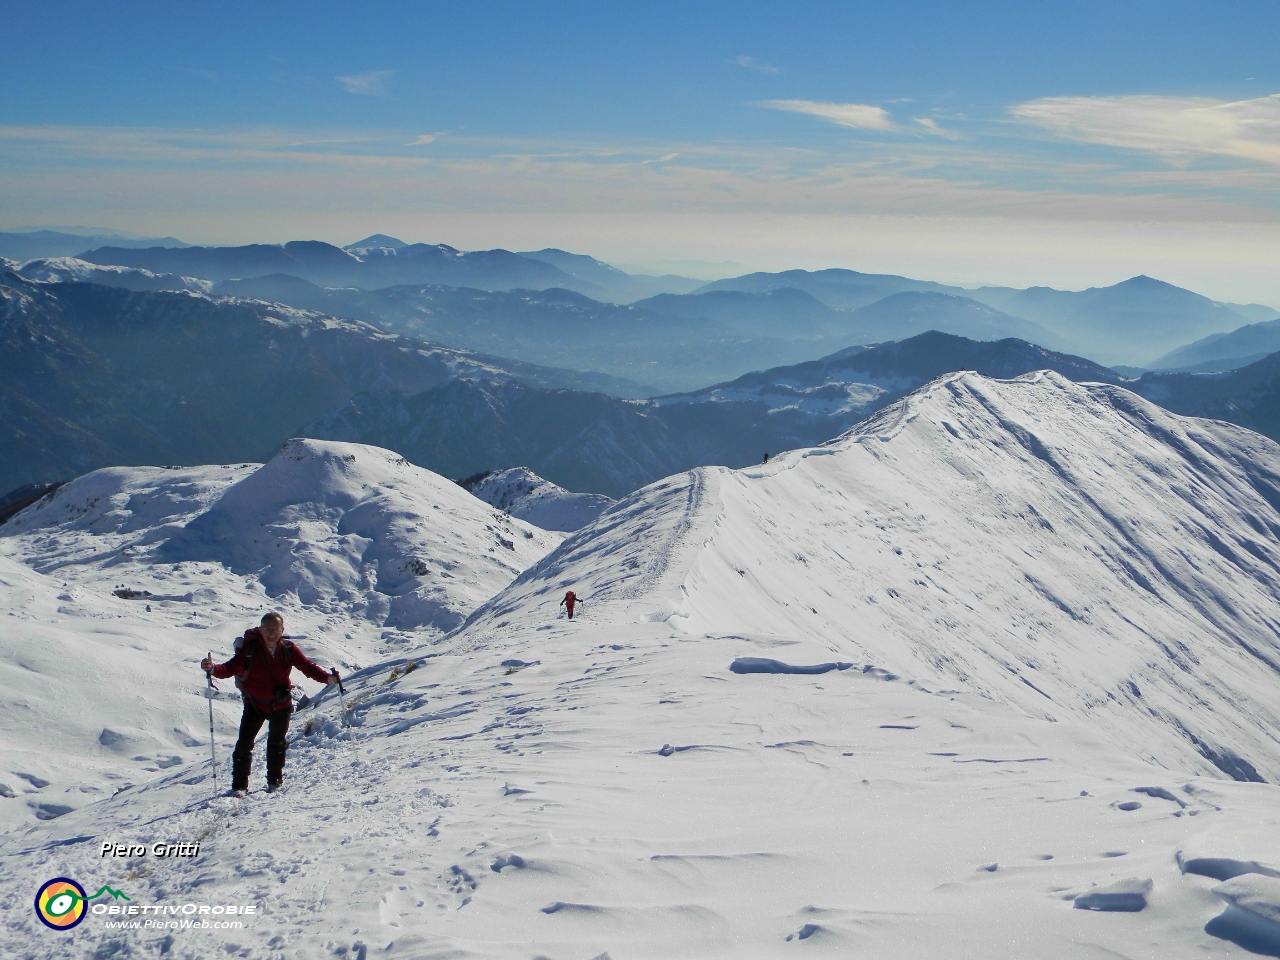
525 495
342 528
1068 548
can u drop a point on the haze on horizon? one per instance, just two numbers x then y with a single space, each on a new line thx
1015 144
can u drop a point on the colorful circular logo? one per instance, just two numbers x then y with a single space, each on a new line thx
60 903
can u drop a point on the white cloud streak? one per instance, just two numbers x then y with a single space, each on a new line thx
751 63
931 125
372 84
1176 128
858 116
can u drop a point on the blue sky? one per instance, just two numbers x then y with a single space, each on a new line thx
1067 144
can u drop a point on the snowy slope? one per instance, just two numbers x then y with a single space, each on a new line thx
1067 548
525 495
631 784
360 550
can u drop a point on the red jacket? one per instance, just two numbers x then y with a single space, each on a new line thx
264 673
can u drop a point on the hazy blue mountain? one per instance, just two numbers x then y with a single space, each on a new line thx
377 240
618 286
559 328
327 265
1249 396
600 444
1124 323
786 312
296 292
1253 312
1120 324
92 376
1223 351
29 245
903 315
309 259
838 288
583 442
792 313
867 377
703 339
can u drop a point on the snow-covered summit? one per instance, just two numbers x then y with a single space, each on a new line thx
1067 548
343 529
525 495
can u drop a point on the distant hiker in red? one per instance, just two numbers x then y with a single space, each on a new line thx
264 661
569 601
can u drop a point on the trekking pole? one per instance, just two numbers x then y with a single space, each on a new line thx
210 690
342 695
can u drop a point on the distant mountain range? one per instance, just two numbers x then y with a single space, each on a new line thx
1248 396
1123 324
93 376
382 261
73 270
1224 351
621 287
837 288
590 442
30 244
670 342
581 441
553 327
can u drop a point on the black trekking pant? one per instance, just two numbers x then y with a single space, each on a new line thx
242 757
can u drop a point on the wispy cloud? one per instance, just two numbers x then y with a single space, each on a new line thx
859 116
372 84
257 146
931 125
423 140
1177 128
751 63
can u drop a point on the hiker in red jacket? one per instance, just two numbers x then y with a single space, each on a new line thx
264 662
569 601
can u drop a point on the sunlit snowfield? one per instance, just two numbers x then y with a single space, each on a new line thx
1047 612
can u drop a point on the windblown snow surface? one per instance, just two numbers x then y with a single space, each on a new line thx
523 494
992 675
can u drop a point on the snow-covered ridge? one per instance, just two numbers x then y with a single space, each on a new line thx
71 269
343 529
1068 548
525 495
